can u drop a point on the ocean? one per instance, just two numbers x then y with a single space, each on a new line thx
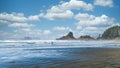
59 54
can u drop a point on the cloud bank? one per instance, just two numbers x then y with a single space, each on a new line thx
84 23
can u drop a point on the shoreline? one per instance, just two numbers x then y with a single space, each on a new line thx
72 58
52 40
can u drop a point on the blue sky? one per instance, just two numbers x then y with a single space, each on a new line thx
50 19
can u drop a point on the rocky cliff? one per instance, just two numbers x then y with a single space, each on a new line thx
111 33
86 37
69 36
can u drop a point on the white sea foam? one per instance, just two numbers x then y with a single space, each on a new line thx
57 43
15 49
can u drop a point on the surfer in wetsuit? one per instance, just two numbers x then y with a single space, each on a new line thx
51 43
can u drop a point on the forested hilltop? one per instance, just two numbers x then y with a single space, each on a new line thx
111 33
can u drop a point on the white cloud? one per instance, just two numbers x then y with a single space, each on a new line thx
91 20
61 28
3 22
63 10
6 18
17 21
93 25
76 4
21 25
13 17
46 32
93 31
33 33
22 28
104 3
35 17
59 15
87 24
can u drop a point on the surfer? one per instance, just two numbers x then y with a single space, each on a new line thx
51 43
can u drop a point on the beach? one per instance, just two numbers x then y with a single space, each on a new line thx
61 57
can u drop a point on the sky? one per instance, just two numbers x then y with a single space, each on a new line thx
51 19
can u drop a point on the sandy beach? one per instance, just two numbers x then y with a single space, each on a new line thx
69 58
82 54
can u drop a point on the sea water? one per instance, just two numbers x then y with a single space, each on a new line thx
18 54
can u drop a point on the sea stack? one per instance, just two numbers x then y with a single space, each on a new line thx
69 36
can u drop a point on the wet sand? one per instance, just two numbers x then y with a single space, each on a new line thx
96 58
70 58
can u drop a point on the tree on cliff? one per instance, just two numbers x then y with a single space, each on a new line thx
111 33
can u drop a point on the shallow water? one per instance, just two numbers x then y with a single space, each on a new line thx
85 54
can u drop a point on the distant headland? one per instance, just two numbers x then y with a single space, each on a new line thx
112 33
